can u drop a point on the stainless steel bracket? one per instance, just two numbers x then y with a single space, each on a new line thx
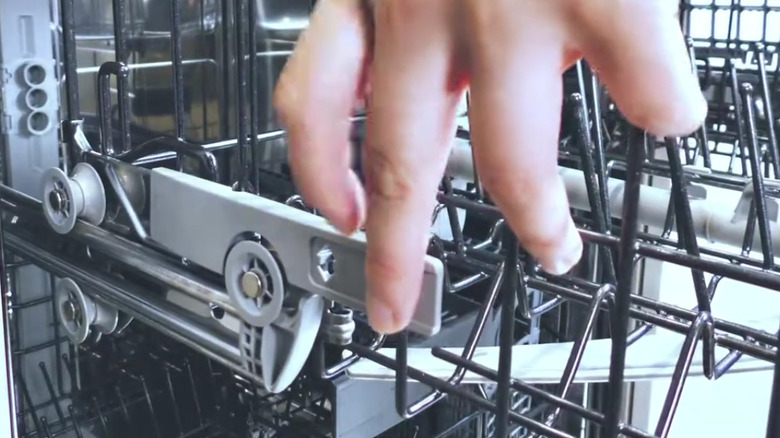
201 220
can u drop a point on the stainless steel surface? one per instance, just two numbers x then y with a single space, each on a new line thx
152 311
134 255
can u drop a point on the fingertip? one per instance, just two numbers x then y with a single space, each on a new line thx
563 257
385 318
680 119
344 205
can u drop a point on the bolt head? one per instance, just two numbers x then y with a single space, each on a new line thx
57 199
70 311
252 284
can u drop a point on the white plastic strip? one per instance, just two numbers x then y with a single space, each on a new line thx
711 219
653 356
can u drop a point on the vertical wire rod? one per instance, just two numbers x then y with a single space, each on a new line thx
627 253
507 334
758 181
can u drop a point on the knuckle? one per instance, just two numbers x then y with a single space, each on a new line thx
389 178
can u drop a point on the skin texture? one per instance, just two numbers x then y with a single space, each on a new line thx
411 61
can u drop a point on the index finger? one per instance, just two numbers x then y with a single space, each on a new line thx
314 98
414 96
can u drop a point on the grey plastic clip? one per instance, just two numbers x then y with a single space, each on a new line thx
280 350
745 203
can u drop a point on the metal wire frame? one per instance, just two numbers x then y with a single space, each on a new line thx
600 152
143 384
698 325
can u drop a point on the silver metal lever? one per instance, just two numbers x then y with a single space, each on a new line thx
202 220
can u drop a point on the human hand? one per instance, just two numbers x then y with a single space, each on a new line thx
413 59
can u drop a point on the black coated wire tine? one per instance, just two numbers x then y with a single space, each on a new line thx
759 194
523 305
29 402
760 51
74 382
148 396
671 318
685 227
592 180
254 91
506 334
178 75
725 68
773 423
194 389
401 399
699 328
647 247
755 277
459 391
101 417
227 79
58 346
45 427
712 287
578 349
598 150
69 61
626 255
534 391
646 327
174 403
725 364
204 40
582 99
452 215
50 388
123 94
402 375
74 420
701 133
437 250
750 229
739 116
105 72
241 75
123 406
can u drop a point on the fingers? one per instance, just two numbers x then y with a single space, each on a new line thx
639 50
314 99
410 127
515 118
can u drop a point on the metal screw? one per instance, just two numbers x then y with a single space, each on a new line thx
57 199
252 284
71 311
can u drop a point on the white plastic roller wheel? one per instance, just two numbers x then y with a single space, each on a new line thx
254 283
82 316
65 200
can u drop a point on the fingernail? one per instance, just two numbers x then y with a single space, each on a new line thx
569 255
382 318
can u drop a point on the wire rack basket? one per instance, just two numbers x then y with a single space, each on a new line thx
639 202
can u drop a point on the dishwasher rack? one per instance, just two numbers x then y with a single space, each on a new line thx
186 85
